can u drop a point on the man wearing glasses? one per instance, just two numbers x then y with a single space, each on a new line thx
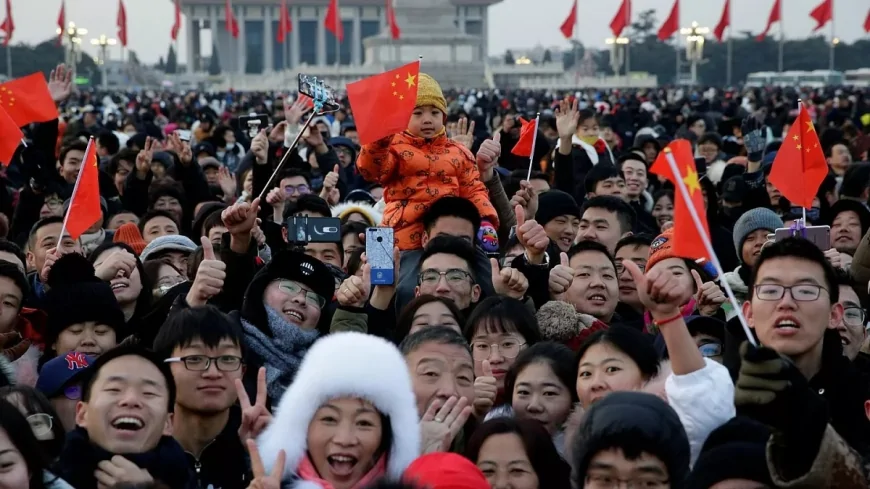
445 271
853 326
60 380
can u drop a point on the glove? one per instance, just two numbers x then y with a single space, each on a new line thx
754 138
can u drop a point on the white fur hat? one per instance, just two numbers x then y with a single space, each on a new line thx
338 365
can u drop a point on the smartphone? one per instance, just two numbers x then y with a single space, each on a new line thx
183 135
253 123
819 235
304 229
379 254
315 89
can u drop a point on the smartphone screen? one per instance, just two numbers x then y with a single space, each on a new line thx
379 254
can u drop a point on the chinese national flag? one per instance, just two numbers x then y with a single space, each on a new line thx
176 26
382 104
8 26
672 23
567 27
526 143
61 22
333 21
84 208
823 14
232 24
800 165
10 136
867 23
621 19
773 18
122 23
724 22
687 239
285 25
395 31
28 100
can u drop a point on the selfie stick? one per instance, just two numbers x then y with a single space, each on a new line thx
684 192
320 97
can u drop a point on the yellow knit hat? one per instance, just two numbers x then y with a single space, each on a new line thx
429 93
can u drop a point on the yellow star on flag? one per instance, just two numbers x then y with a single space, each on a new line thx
411 80
810 127
798 146
691 180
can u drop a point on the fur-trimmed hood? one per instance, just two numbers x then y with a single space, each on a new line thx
369 211
560 322
345 364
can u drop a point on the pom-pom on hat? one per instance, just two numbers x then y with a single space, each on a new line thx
429 93
129 234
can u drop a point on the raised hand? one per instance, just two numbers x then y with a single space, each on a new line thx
262 480
119 261
354 291
227 182
60 83
508 281
241 217
209 279
51 257
462 132
567 118
532 236
330 192
442 422
313 137
485 391
527 198
260 147
143 159
118 470
708 296
276 135
255 417
293 112
277 198
661 293
487 156
754 138
561 278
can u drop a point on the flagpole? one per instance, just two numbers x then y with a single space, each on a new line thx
781 65
577 39
628 44
687 199
833 38
337 40
534 142
8 60
729 67
75 191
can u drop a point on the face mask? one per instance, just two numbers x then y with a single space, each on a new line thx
589 139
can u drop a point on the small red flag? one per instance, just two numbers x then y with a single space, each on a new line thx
285 25
526 143
10 136
688 242
333 21
28 100
570 23
774 17
61 22
800 166
382 104
232 24
622 18
724 22
122 23
8 26
395 32
867 23
672 23
84 207
177 25
823 14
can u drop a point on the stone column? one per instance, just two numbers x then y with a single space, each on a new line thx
295 13
241 45
356 45
188 27
321 38
268 40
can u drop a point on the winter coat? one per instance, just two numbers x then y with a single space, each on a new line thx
571 170
416 172
836 465
224 462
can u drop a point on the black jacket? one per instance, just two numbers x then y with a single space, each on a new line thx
223 463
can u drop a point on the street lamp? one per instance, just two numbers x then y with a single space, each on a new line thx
104 42
618 59
73 36
694 47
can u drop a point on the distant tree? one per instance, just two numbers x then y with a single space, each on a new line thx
133 58
161 65
645 25
572 56
214 64
171 61
509 58
548 56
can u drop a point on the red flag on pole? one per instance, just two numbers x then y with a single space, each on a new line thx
567 27
10 136
395 32
773 18
84 207
867 23
8 26
122 23
27 100
525 145
622 18
285 25
61 23
823 14
672 23
333 21
232 23
177 25
800 166
724 22
382 104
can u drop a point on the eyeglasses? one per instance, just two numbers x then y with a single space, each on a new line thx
454 276
608 482
854 316
709 350
294 289
620 268
40 424
201 363
800 293
53 203
508 348
300 189
73 392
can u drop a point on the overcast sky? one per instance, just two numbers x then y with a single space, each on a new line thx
513 23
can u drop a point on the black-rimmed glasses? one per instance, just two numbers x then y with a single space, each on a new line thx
201 363
800 292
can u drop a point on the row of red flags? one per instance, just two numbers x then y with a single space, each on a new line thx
822 14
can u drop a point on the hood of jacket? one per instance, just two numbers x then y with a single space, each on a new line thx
344 209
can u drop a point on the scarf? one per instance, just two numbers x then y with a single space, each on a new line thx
649 327
92 241
308 473
79 458
282 353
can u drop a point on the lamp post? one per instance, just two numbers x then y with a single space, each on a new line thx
618 59
73 36
104 42
694 47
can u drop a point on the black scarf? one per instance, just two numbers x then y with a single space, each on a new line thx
79 458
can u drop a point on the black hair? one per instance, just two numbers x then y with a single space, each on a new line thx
557 356
311 203
354 261
450 245
539 175
90 376
594 246
45 221
12 247
151 215
631 156
452 207
212 221
76 145
143 302
165 188
710 138
125 154
35 402
354 228
634 240
14 273
18 429
624 213
207 323
855 180
585 115
599 173
638 346
501 314
406 318
295 172
801 249
438 334
552 471
108 140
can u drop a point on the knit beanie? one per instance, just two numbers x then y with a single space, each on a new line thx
429 93
129 234
555 203
76 295
661 248
445 471
735 450
751 221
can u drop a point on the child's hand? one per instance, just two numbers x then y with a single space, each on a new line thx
487 156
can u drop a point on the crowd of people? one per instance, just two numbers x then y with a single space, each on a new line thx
540 330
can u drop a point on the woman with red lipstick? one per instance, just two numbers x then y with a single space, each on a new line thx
498 330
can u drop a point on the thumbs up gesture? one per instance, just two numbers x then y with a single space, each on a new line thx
660 291
487 156
508 281
708 295
561 278
485 391
532 236
209 277
354 291
330 187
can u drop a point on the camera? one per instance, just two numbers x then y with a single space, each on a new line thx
304 229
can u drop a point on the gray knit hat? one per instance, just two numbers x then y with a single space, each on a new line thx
174 242
759 218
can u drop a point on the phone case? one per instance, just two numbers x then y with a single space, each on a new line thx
379 254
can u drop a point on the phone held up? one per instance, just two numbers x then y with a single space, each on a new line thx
318 91
379 255
818 235
302 230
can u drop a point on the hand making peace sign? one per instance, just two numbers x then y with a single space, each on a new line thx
262 480
255 417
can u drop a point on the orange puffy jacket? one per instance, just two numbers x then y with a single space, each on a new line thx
416 172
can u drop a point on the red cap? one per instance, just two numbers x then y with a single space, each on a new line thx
445 471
